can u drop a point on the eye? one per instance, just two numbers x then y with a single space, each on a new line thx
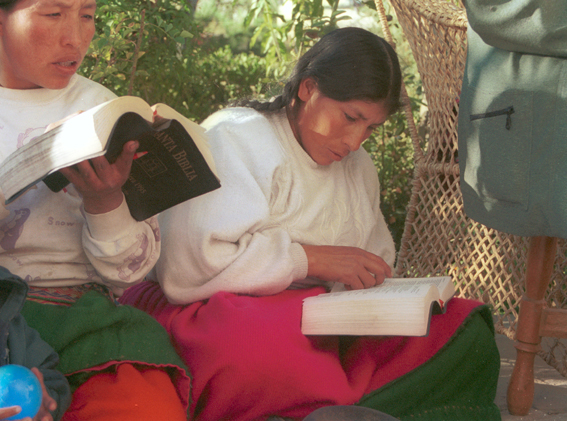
350 118
53 15
88 17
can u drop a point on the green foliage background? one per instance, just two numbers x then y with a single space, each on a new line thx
200 60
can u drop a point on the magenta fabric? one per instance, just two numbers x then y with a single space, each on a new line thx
249 359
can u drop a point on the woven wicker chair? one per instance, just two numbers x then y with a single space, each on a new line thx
438 237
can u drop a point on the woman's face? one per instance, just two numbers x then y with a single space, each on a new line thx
43 42
328 130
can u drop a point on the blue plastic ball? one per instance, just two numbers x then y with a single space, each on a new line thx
20 386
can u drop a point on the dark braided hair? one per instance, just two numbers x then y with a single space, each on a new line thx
7 4
347 64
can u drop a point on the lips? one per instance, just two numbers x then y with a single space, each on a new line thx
66 63
67 66
342 153
71 60
337 156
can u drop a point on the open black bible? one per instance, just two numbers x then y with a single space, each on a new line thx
173 163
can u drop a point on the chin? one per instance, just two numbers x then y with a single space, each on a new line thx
55 82
57 85
325 163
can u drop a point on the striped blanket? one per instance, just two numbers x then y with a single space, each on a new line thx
91 333
249 360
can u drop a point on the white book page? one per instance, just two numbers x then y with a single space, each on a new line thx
392 287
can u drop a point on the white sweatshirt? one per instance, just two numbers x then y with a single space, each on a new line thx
47 238
246 236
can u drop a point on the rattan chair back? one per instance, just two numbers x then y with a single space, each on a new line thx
438 237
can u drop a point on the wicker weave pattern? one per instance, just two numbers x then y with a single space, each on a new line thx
438 237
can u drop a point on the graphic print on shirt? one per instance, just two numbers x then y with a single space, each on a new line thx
91 274
135 260
52 221
28 279
11 230
153 222
29 135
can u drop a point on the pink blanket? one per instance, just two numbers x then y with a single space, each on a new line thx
249 359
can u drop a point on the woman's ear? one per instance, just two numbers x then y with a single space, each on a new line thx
307 88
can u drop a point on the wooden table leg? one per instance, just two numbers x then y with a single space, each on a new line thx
541 257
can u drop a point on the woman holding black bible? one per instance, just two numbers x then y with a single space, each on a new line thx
79 248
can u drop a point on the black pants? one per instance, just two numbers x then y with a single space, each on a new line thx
347 413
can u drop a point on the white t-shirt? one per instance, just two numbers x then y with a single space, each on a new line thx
47 238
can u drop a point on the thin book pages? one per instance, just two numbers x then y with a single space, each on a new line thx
399 306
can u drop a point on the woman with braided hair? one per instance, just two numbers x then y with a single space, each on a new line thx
299 211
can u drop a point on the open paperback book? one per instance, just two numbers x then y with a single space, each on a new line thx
399 306
172 164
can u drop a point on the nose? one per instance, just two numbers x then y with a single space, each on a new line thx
72 32
355 138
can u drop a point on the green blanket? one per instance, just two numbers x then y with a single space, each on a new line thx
436 388
95 333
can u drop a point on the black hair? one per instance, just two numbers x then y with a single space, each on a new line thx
7 4
347 64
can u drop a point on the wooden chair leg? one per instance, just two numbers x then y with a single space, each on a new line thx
541 257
